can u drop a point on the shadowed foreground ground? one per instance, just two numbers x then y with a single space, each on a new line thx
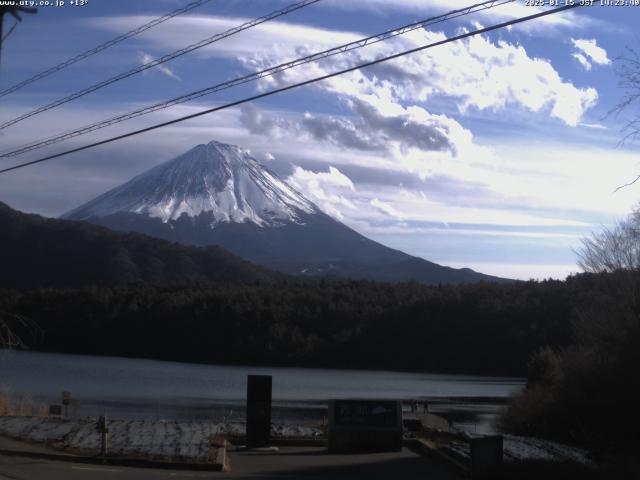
298 463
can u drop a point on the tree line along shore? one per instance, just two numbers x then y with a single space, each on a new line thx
575 340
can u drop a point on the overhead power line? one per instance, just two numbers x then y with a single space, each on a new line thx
258 75
208 41
103 46
299 84
13 27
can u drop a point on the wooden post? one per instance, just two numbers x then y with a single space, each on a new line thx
104 431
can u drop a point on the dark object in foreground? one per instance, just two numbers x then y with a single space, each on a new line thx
486 457
103 429
258 410
55 410
365 426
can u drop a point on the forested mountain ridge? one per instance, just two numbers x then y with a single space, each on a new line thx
42 252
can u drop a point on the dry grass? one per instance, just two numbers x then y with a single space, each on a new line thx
19 405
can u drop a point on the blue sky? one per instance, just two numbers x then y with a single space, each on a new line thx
494 153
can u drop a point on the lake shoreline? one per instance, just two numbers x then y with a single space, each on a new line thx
313 366
153 389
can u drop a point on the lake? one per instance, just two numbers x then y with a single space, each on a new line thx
138 388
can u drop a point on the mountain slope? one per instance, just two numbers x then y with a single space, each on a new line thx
40 252
217 194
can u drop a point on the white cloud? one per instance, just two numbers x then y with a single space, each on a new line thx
488 75
583 61
589 48
476 73
145 58
326 189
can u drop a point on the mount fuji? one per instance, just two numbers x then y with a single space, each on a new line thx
218 194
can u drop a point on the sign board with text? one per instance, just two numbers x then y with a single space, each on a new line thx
365 425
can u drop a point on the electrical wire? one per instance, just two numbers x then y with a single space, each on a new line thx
103 46
297 85
163 59
13 27
258 75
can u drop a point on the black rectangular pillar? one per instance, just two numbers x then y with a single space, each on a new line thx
258 410
486 457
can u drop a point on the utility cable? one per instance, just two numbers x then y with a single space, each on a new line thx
258 75
102 47
161 60
297 85
13 27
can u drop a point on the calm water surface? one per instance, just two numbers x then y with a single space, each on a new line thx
148 388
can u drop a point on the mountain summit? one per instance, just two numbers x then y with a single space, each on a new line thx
223 180
217 194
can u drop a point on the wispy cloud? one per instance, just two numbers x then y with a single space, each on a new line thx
566 20
582 60
387 209
521 271
282 37
145 58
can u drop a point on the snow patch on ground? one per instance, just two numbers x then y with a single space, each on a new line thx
527 448
170 439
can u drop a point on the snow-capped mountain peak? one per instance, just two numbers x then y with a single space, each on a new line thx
216 178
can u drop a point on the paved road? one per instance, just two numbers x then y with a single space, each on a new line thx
289 463
17 468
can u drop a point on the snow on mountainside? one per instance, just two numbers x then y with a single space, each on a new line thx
216 178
